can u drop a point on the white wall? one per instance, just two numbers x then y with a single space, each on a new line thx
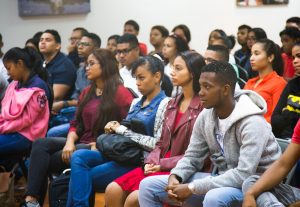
108 16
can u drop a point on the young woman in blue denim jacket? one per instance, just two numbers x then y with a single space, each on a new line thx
90 169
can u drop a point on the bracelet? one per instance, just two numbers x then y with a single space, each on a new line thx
65 104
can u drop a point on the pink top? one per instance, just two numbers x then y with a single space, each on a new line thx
26 111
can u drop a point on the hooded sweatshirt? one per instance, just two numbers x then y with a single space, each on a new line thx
25 111
249 145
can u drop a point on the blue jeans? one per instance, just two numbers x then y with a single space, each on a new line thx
59 131
13 143
152 194
91 170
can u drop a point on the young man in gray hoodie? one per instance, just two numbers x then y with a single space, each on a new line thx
233 132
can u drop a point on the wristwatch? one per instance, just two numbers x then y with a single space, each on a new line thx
65 104
191 187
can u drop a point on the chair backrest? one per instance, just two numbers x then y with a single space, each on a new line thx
283 143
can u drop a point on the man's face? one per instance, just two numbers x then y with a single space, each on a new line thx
48 45
210 90
75 38
129 29
287 43
211 56
296 59
85 47
127 55
242 36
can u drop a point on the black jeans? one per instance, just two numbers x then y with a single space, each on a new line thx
45 158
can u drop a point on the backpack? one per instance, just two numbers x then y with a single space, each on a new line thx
58 189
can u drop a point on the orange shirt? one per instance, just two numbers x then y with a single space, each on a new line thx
270 88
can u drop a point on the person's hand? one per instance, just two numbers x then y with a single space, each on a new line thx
249 200
93 145
111 127
68 149
172 182
57 106
151 168
181 191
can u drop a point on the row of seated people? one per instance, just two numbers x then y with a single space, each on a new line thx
16 59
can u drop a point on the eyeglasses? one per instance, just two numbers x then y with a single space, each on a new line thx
91 64
85 44
125 51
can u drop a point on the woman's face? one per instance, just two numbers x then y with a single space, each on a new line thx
169 49
14 70
296 59
93 68
213 36
259 59
146 81
111 45
156 38
180 75
251 39
179 32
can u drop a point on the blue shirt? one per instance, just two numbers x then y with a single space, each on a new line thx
146 114
36 81
61 70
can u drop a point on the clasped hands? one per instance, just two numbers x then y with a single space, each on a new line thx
177 192
111 127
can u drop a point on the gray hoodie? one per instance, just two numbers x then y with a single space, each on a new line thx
249 145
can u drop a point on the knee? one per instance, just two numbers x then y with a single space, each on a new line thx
249 182
77 157
113 188
39 144
212 199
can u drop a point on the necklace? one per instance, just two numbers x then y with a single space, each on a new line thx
99 91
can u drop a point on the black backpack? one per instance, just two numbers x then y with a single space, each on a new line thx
58 189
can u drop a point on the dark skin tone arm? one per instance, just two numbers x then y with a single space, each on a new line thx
278 171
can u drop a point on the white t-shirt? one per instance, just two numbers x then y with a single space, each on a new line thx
222 123
129 80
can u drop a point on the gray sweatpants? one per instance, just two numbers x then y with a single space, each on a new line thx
279 196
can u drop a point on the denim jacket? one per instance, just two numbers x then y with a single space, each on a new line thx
152 118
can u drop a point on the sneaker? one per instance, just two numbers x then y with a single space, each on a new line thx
30 204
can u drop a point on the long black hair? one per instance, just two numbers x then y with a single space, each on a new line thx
194 62
30 58
108 109
272 48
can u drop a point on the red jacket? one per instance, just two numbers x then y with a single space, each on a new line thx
179 138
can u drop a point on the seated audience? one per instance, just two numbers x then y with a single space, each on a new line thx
287 110
62 72
90 168
106 99
175 136
232 131
173 45
242 54
254 35
25 107
293 22
289 37
76 35
158 35
182 31
132 27
268 190
266 60
88 43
